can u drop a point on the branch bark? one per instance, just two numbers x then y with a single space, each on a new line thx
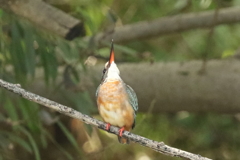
157 146
168 25
46 16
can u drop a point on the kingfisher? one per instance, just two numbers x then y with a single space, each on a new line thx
117 102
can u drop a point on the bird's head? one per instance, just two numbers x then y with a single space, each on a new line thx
111 71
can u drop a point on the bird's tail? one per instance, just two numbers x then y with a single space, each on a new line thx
123 140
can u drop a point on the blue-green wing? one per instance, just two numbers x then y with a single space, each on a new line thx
132 97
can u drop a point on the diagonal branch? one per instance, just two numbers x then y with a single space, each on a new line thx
157 146
46 16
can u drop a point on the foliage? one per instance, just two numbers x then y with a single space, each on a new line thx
26 50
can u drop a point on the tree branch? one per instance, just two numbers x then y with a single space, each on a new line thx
168 25
46 16
157 146
62 24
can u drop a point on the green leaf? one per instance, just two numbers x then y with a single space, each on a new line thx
43 140
68 135
126 50
11 110
63 150
22 143
81 43
228 53
29 111
17 53
80 101
68 51
93 18
18 140
29 50
104 52
75 75
71 75
1 13
48 60
32 142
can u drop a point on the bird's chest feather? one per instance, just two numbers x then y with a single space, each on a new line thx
113 104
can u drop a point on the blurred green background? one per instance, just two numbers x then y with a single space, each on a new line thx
29 55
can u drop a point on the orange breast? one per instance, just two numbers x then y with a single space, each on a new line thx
114 106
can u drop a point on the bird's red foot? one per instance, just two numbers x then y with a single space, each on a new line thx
108 126
121 131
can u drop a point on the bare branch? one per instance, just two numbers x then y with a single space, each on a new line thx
157 146
46 16
168 25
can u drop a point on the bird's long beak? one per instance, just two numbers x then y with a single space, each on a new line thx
111 58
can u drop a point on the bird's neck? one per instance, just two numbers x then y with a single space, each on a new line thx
113 77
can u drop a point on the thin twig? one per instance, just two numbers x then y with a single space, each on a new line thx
157 146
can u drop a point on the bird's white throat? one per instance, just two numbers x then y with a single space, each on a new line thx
113 72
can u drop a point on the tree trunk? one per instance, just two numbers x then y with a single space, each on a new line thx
172 86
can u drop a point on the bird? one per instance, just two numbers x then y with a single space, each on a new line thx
117 102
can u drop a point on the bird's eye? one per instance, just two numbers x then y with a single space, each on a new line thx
104 70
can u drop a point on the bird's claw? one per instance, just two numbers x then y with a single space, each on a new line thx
108 126
121 131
